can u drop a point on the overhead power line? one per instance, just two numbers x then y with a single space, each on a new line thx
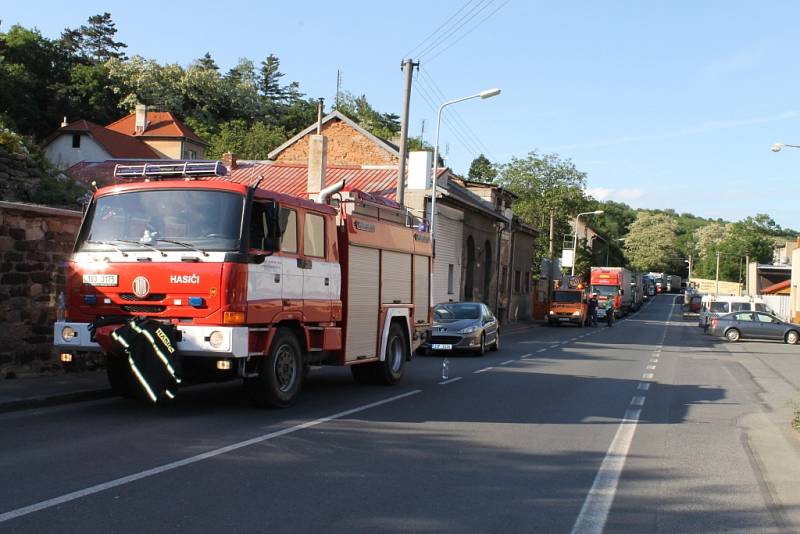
457 116
470 30
431 102
446 34
436 31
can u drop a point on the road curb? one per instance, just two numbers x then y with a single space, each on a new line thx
54 400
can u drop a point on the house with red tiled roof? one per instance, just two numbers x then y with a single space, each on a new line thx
143 134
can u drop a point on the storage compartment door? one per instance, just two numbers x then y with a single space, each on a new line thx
421 281
395 277
363 304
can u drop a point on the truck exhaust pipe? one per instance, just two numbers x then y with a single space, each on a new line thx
330 190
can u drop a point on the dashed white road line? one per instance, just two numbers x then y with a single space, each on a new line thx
651 367
594 512
637 401
648 376
541 350
643 385
506 362
482 370
91 490
454 379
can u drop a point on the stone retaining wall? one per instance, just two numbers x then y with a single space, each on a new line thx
35 242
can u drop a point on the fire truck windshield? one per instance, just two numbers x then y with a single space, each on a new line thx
164 218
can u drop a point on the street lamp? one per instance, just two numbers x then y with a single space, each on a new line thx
575 237
483 95
777 147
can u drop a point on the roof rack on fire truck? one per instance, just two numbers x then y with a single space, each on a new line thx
170 170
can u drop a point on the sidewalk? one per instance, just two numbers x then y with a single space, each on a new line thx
62 388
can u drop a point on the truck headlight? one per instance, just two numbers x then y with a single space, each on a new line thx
469 330
68 333
552 312
576 314
216 339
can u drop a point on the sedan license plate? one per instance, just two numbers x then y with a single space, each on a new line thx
107 280
601 313
563 319
441 346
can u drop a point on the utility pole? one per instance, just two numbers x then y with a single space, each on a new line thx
338 88
320 109
690 268
408 68
550 275
747 274
717 279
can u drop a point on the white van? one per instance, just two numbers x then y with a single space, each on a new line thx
713 306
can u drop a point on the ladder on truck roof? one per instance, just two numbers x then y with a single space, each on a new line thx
180 168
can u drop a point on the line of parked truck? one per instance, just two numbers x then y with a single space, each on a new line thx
625 289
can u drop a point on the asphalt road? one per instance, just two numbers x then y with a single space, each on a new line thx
641 427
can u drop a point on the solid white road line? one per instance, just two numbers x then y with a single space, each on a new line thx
594 512
482 370
637 401
648 376
49 503
643 385
506 362
445 382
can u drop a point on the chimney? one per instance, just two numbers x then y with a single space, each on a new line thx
420 168
64 122
317 162
141 118
230 160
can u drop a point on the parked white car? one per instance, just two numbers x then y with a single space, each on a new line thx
714 306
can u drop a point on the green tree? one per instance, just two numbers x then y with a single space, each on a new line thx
30 67
482 170
94 42
254 141
545 184
651 244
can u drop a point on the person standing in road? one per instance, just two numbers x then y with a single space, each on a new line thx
591 320
610 313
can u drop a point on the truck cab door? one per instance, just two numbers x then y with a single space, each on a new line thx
291 271
317 271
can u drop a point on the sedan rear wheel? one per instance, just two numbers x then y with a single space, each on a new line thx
733 335
792 337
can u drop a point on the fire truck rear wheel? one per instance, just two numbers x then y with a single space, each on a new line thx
391 369
280 374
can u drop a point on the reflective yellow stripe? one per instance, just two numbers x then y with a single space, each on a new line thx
120 340
160 354
141 379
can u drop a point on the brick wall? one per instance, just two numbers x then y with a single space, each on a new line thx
35 241
346 146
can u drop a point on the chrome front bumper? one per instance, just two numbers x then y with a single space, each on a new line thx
194 340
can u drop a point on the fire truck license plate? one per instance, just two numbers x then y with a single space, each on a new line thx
100 279
439 346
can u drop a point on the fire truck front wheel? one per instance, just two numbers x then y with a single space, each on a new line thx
280 374
120 377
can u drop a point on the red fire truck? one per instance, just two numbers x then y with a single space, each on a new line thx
255 284
612 283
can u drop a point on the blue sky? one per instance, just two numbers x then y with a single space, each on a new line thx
664 105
